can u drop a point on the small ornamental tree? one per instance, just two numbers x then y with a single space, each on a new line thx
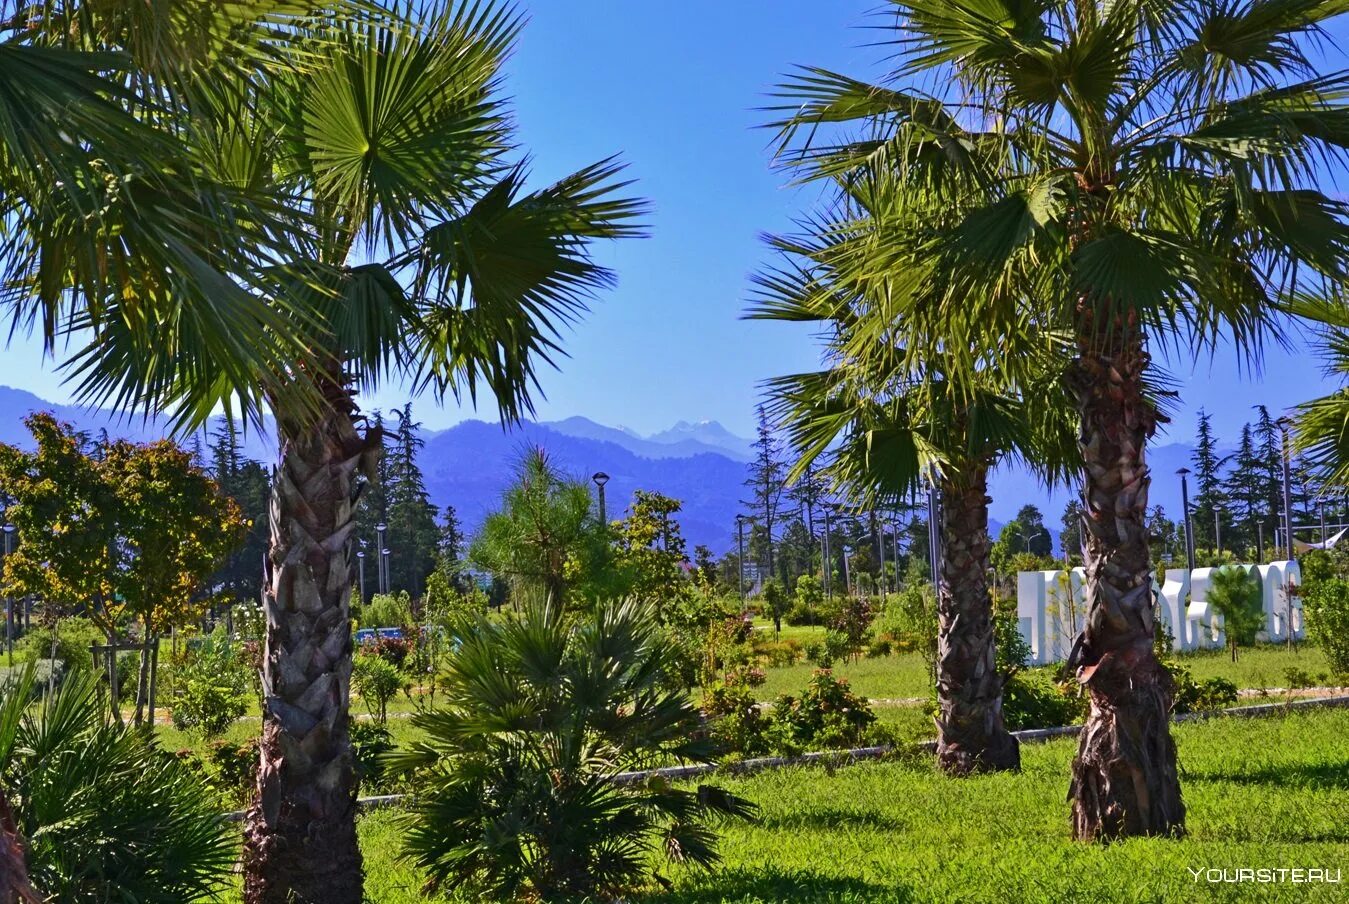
1236 595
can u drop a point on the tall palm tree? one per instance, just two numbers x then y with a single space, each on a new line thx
420 254
887 428
1144 172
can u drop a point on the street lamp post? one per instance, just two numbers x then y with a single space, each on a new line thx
384 555
601 479
1035 536
934 536
1217 529
740 563
1324 536
1287 502
1260 541
382 552
360 560
1189 526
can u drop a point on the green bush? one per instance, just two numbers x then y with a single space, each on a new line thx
233 767
1325 604
1237 596
377 681
1032 699
387 610
1010 648
827 715
370 743
737 720
807 606
208 685
514 779
1199 696
107 814
11 678
74 636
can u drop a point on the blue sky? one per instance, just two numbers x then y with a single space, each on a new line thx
673 88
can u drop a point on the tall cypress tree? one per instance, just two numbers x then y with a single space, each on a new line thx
1208 483
413 535
1247 490
766 485
1269 450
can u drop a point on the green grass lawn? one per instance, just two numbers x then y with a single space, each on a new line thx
1260 793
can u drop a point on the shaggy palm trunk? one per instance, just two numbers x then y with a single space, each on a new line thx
300 840
14 885
971 736
1124 778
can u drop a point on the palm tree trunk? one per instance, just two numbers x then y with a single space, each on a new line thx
300 839
14 884
971 736
1124 777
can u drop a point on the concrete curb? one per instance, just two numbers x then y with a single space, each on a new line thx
834 758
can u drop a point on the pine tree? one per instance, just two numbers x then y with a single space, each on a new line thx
413 535
373 504
1247 491
249 485
1070 536
1270 453
766 486
1209 497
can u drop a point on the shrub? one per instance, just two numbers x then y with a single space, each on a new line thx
780 653
1326 605
11 678
853 624
910 617
208 686
108 816
1199 696
74 636
737 720
775 602
370 743
377 681
515 778
1010 648
233 767
1032 699
826 715
387 610
807 606
393 650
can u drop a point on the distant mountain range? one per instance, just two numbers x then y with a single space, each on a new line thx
702 464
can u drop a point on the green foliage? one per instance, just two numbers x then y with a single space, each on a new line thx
775 601
515 778
544 539
1236 594
108 816
649 552
370 743
807 605
74 636
208 685
1033 699
377 680
1325 605
1199 696
233 767
1010 648
387 610
827 715
852 624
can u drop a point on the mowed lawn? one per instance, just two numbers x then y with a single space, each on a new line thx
1261 793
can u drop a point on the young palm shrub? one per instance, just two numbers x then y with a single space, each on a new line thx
106 814
520 777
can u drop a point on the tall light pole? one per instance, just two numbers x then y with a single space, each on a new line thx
896 539
1189 526
9 601
1035 536
384 560
1287 499
1260 541
360 561
1324 536
740 536
934 536
601 479
381 552
1217 529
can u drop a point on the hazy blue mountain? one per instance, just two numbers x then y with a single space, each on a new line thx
702 464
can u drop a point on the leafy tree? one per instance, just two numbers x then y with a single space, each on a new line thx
649 552
1161 533
173 530
516 776
1140 172
1033 528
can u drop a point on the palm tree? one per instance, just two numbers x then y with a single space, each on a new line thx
416 252
887 428
1142 171
1321 425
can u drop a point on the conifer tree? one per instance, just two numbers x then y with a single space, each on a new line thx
413 535
1209 497
766 485
1247 491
